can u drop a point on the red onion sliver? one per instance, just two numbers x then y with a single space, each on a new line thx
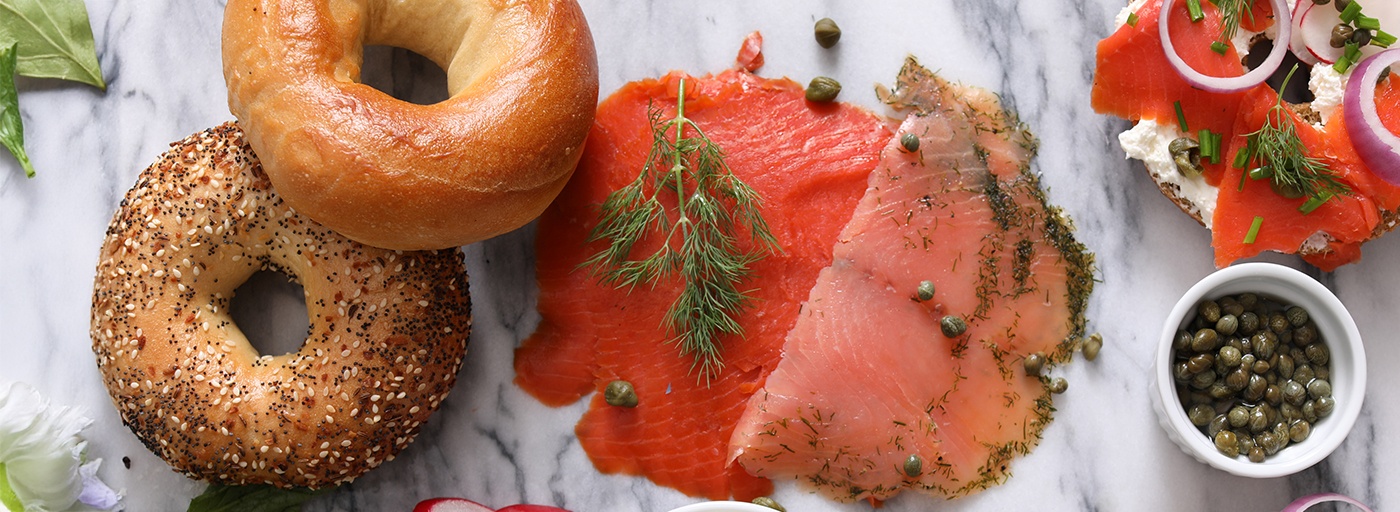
1378 148
1228 84
1307 502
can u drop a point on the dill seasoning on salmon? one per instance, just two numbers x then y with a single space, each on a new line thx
686 196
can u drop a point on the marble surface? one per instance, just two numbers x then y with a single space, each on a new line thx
491 442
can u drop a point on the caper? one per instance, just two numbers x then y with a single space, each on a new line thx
1258 419
1248 360
768 502
1285 366
909 142
1265 346
913 466
1269 441
1341 5
1319 388
1203 380
1186 152
1227 443
1321 2
1278 323
1293 392
1305 335
1297 316
1237 379
1256 454
1092 345
1341 34
1217 425
1238 416
1273 394
827 33
1219 390
1200 363
1254 390
1249 301
1059 385
1299 430
1249 323
1361 37
1209 311
1309 411
1322 372
1036 361
1304 373
1324 406
925 291
1317 354
823 89
620 393
1182 340
1180 371
1201 414
1291 412
1230 306
1205 340
1229 356
1227 324
952 326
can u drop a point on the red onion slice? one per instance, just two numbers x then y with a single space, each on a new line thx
1378 148
1307 502
1219 84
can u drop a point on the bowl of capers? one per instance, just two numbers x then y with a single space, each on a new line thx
1260 371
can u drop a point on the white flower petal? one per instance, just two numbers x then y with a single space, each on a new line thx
95 493
41 450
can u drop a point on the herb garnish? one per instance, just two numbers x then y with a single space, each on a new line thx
1280 155
701 243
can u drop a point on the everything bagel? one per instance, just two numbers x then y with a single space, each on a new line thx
523 81
388 329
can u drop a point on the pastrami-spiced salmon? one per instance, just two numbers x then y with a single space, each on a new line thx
917 406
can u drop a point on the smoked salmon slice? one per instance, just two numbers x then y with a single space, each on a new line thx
868 381
809 162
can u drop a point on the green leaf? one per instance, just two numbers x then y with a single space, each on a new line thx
11 126
55 39
252 498
8 500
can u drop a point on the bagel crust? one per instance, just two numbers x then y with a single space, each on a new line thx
523 83
388 329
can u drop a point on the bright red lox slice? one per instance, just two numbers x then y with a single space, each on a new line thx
867 379
809 162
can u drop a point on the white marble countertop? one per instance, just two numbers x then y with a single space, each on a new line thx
494 444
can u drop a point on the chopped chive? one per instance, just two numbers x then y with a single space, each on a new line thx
1219 47
1343 63
1132 19
1243 175
1368 23
1382 39
1216 140
1241 159
1313 203
1254 228
1259 173
1209 148
1353 52
1181 117
1351 12
1193 7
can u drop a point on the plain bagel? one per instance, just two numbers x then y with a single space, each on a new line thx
388 329
523 80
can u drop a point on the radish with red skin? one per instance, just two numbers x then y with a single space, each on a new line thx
531 508
451 505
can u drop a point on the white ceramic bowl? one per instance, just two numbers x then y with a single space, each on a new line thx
723 506
1337 329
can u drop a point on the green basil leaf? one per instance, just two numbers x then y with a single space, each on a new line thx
55 39
252 498
11 126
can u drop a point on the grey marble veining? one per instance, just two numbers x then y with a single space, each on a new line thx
492 443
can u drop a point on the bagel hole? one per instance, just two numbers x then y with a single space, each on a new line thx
270 309
1297 88
403 74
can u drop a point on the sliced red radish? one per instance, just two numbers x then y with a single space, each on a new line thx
1374 143
1314 29
451 505
1219 84
531 508
1296 43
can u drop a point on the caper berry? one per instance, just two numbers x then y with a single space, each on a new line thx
768 502
952 326
1229 356
1249 323
1299 430
1205 340
1209 311
1319 388
620 393
1238 416
1227 443
925 291
913 466
1092 345
1341 34
1293 392
1058 385
1036 361
1227 324
1324 406
909 142
827 33
1317 354
823 89
1201 414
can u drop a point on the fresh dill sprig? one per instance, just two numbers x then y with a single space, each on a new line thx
701 244
1231 13
1280 154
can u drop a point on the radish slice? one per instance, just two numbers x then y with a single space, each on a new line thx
1315 31
1374 143
450 505
531 508
1227 84
1307 502
1296 43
